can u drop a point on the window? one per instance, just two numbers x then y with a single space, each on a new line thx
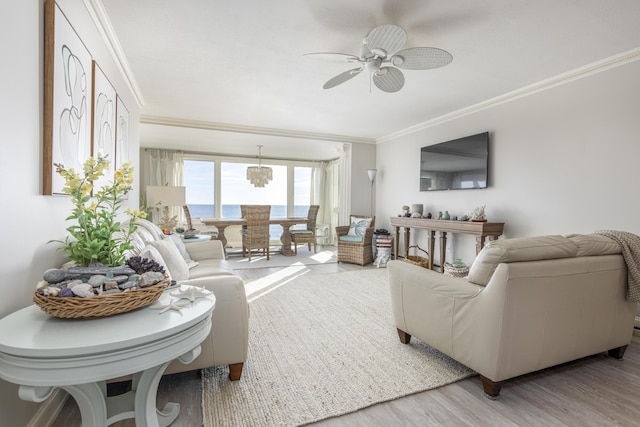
216 187
301 190
199 180
236 190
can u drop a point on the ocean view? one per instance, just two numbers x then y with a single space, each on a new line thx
233 211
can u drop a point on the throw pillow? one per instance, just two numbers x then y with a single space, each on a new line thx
358 226
180 245
176 265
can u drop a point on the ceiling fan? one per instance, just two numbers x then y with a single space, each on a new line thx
380 56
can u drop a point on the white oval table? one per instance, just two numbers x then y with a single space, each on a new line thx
41 353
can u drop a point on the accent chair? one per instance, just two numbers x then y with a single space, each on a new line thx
355 240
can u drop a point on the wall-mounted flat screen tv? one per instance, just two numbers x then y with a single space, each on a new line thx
459 164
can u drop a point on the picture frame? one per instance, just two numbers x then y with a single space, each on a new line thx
103 125
122 133
67 99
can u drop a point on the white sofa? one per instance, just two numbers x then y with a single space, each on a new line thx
228 340
528 304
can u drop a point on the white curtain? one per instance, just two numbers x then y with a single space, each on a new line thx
344 185
161 167
325 192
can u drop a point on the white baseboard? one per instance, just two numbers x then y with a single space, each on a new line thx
49 410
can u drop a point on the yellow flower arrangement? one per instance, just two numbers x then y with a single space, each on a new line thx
98 237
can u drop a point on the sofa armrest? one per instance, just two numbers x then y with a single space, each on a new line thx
228 341
209 249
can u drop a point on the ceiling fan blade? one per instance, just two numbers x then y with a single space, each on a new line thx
389 38
421 58
389 79
341 78
330 56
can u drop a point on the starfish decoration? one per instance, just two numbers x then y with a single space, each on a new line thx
191 293
173 305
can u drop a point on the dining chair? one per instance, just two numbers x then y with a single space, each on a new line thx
308 235
190 229
255 234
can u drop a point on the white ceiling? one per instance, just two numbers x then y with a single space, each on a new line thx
239 65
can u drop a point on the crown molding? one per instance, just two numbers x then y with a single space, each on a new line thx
225 127
103 24
561 79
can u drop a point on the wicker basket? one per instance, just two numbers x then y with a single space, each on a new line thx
99 305
418 260
450 270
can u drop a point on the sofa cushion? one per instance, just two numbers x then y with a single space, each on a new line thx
594 245
177 240
211 267
176 265
349 238
519 249
150 227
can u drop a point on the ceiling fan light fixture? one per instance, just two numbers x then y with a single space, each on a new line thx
397 60
381 47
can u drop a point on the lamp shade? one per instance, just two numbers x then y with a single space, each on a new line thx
372 174
165 195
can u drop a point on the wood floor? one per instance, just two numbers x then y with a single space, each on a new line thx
595 391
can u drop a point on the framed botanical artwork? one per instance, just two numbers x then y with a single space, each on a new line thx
67 99
104 123
122 132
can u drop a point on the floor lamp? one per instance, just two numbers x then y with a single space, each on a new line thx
372 177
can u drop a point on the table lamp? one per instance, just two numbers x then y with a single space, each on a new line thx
164 196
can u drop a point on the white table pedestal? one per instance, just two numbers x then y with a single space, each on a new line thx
42 353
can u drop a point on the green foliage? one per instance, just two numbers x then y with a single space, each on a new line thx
97 236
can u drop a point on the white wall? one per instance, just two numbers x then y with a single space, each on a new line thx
363 157
29 220
564 160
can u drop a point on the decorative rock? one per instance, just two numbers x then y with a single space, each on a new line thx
96 280
110 285
66 292
112 291
122 278
42 284
83 290
54 275
77 272
150 278
51 291
127 285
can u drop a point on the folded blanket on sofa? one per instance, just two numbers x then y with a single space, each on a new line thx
630 244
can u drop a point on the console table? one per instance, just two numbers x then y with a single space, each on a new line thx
481 230
41 353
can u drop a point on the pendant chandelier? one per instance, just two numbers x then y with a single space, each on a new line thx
259 175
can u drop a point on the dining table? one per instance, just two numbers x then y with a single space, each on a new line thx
285 223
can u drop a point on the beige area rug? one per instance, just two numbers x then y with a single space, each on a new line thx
320 346
324 255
